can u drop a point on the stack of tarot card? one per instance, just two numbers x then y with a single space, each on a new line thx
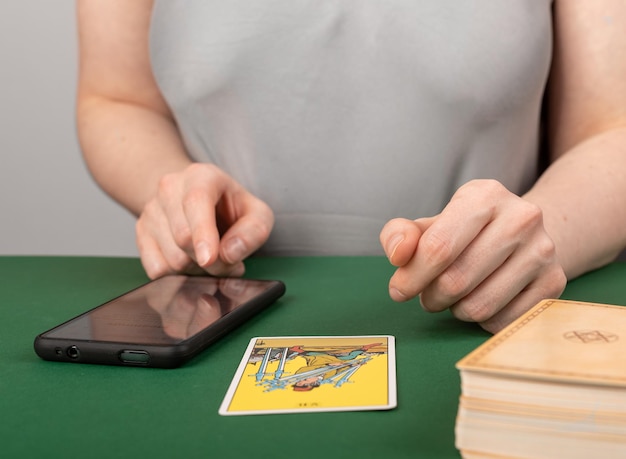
550 385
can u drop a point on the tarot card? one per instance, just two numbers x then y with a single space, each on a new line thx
314 373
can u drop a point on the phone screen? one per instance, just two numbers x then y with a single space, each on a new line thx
163 312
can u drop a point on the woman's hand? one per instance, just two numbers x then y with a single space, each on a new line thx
201 220
486 257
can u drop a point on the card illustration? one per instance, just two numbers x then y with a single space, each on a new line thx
294 374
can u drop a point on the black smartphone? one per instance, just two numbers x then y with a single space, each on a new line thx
163 323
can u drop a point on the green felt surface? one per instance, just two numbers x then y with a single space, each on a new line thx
65 410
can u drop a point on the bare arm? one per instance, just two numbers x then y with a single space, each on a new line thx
123 122
133 148
490 255
583 193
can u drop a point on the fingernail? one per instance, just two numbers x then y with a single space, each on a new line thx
203 255
397 295
393 244
235 250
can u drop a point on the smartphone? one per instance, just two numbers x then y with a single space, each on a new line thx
163 323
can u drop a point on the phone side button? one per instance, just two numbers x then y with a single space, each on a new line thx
135 357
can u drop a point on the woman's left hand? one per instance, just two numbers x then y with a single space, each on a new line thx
486 257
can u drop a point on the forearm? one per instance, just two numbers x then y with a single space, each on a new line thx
128 148
583 198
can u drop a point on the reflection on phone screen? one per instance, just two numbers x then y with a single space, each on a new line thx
165 311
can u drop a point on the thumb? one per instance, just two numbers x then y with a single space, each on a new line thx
248 233
399 238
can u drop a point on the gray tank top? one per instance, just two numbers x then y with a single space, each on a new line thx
344 114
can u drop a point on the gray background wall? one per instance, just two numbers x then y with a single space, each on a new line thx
48 203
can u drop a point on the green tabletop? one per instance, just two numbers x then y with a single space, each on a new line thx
66 410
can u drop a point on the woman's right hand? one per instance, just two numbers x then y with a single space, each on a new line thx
201 220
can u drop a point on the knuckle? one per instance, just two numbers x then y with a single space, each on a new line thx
556 280
155 271
436 248
166 185
472 311
527 223
493 325
429 303
531 216
182 236
493 187
193 197
203 170
545 250
403 284
196 168
262 230
488 187
153 265
179 262
140 228
151 271
267 210
453 283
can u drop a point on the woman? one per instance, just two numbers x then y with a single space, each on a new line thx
304 127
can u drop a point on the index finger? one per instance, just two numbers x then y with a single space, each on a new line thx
448 235
199 208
